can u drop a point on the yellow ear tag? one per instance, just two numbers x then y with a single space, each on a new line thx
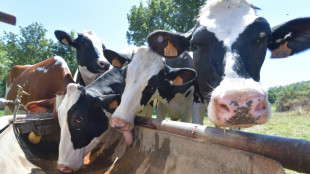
170 50
86 160
113 104
178 81
116 63
281 52
65 41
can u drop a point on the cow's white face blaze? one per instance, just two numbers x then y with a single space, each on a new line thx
144 65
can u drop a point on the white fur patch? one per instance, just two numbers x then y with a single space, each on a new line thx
226 18
87 76
41 69
230 61
144 65
60 61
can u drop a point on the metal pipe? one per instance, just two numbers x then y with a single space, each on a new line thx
293 154
7 18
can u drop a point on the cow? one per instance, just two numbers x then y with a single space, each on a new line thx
41 80
179 107
148 78
91 63
89 54
228 55
83 114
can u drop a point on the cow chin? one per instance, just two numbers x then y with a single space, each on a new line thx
70 162
239 103
124 126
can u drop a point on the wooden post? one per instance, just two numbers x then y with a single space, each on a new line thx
293 154
7 18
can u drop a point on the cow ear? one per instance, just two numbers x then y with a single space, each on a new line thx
64 38
111 102
290 38
168 44
41 106
181 76
116 59
74 89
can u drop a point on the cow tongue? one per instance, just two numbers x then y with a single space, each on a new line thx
128 137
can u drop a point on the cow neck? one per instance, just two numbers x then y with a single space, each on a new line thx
86 75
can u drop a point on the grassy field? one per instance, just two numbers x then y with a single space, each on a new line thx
291 125
1 112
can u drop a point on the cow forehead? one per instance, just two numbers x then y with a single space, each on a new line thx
97 43
145 64
227 19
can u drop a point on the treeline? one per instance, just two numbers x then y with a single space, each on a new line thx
28 47
291 97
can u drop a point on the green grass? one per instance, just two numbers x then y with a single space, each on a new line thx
1 112
282 124
291 125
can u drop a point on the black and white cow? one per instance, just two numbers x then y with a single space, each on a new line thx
180 106
89 55
229 45
83 114
147 78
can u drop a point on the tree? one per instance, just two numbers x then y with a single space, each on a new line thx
175 15
28 48
4 66
66 52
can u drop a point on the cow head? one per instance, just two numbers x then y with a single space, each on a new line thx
228 55
147 77
89 52
83 118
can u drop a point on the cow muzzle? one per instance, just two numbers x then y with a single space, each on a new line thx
239 110
123 126
64 169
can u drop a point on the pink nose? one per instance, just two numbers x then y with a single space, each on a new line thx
120 124
64 169
241 111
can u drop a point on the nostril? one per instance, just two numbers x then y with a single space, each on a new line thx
101 63
260 107
223 108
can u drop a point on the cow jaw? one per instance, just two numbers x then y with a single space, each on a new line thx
87 76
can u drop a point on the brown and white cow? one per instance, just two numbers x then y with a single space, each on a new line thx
41 80
229 45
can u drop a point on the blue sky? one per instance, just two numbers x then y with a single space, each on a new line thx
108 19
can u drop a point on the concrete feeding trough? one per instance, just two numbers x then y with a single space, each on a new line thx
160 146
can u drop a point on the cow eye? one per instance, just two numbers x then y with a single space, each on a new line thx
150 88
79 119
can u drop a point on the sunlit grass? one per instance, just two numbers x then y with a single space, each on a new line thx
1 112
